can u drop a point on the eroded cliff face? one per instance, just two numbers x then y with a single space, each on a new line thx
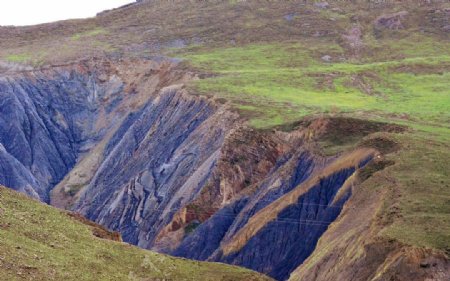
47 119
155 166
124 144
276 227
56 117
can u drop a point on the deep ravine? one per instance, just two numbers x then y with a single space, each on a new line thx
171 171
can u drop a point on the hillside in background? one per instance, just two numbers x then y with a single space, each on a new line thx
305 140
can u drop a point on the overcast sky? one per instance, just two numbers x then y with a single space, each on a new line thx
29 12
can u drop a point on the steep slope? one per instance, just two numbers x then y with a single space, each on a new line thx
291 224
47 117
159 164
387 231
52 117
38 242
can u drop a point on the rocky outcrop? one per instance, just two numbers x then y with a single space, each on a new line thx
353 38
156 165
45 121
56 117
437 19
15 175
391 21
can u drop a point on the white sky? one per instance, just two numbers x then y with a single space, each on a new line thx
29 12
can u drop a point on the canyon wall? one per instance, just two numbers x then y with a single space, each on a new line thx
47 119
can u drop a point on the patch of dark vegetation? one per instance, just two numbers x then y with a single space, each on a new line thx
334 127
221 100
422 68
73 189
191 227
373 167
97 230
382 144
340 128
236 159
289 127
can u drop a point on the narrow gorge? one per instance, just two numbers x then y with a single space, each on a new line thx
126 145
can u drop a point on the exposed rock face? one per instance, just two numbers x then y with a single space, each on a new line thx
52 118
155 166
17 176
168 170
241 232
45 120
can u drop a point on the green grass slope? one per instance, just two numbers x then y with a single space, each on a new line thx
38 242
280 83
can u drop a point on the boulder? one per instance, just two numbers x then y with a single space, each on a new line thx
391 21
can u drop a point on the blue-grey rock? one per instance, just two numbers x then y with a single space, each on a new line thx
156 163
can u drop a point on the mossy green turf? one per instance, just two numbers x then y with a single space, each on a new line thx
89 33
19 58
279 83
38 242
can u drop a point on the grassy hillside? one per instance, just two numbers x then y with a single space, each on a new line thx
38 242
280 83
150 28
417 211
